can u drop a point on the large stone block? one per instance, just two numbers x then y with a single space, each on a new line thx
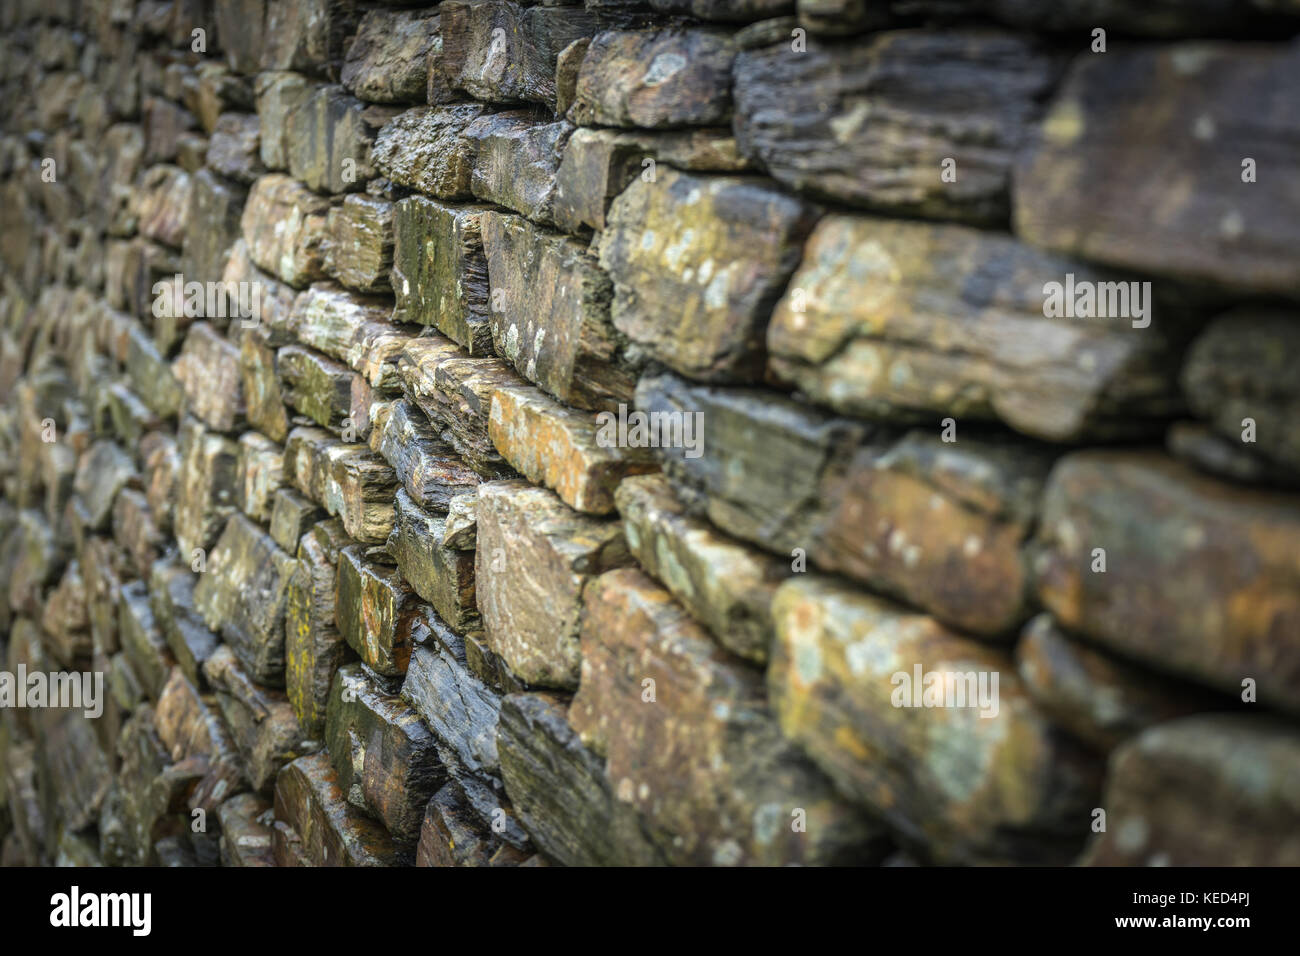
1142 162
876 122
655 79
1242 367
387 60
322 828
931 730
455 392
440 275
726 586
1212 790
568 451
242 594
907 321
550 314
697 264
426 148
691 745
385 757
285 227
313 647
1199 580
441 575
532 616
328 138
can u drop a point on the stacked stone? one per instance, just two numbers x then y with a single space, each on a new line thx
376 558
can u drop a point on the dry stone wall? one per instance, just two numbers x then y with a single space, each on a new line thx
650 432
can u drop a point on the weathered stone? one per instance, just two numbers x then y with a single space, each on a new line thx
285 227
429 470
1208 451
1101 700
515 162
306 34
726 586
102 471
1212 790
656 79
161 465
242 594
371 600
451 833
927 341
65 623
361 243
764 462
568 64
292 516
218 91
360 491
440 275
1242 368
440 575
327 392
264 401
703 761
146 651
461 528
171 598
151 375
245 840
160 204
961 95
261 303
384 756
459 709
568 451
455 392
73 773
550 314
261 470
212 225
328 137
532 618
260 719
598 164
559 789
1200 579
314 648
426 148
235 147
278 94
387 60
506 52
353 329
189 726
942 525
208 372
206 486
331 832
1213 105
163 123
697 264
307 463
135 531
963 770
241 27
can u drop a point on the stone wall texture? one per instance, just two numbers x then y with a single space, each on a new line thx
653 432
